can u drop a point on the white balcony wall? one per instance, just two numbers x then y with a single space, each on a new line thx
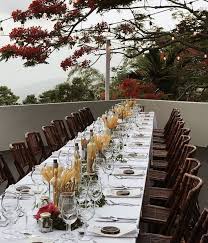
15 121
195 115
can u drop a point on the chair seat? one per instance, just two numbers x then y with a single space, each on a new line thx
160 153
155 214
153 238
159 164
159 193
157 175
158 130
158 135
158 140
159 146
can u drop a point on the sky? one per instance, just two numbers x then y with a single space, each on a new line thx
37 79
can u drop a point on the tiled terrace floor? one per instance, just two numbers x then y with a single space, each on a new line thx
202 155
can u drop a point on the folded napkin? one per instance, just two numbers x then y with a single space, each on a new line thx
133 193
121 172
24 194
40 239
136 155
126 231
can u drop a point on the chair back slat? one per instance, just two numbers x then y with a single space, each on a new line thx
5 170
61 130
173 163
53 140
189 192
83 117
23 160
184 201
90 115
73 131
172 140
200 228
36 146
175 112
4 177
78 122
174 173
190 166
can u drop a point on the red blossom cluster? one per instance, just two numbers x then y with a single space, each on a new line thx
132 88
101 26
39 7
73 60
36 54
126 28
30 35
48 7
19 15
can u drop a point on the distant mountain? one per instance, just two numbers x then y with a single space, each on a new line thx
37 87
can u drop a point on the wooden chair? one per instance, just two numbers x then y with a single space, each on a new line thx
53 140
23 160
178 158
78 122
89 115
61 130
85 114
162 132
181 211
73 131
198 235
83 117
161 138
162 163
166 195
6 170
36 146
161 150
4 179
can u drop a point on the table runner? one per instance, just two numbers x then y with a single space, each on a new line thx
139 142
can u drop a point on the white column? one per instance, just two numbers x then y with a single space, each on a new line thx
107 76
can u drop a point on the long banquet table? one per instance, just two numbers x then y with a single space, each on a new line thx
139 146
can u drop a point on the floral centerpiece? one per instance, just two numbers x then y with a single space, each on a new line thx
55 215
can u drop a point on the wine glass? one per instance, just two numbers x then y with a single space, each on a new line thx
10 211
108 168
86 212
68 206
95 189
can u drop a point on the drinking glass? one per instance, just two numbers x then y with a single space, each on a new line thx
86 212
10 211
108 168
68 207
95 189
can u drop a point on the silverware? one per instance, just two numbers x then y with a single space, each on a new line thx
112 203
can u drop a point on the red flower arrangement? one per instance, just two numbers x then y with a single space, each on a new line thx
49 208
58 222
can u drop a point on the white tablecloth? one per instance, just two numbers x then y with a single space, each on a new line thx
140 133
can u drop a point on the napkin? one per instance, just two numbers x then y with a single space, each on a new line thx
119 172
136 155
134 193
42 239
127 231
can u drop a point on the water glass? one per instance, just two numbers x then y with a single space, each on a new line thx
86 212
68 207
